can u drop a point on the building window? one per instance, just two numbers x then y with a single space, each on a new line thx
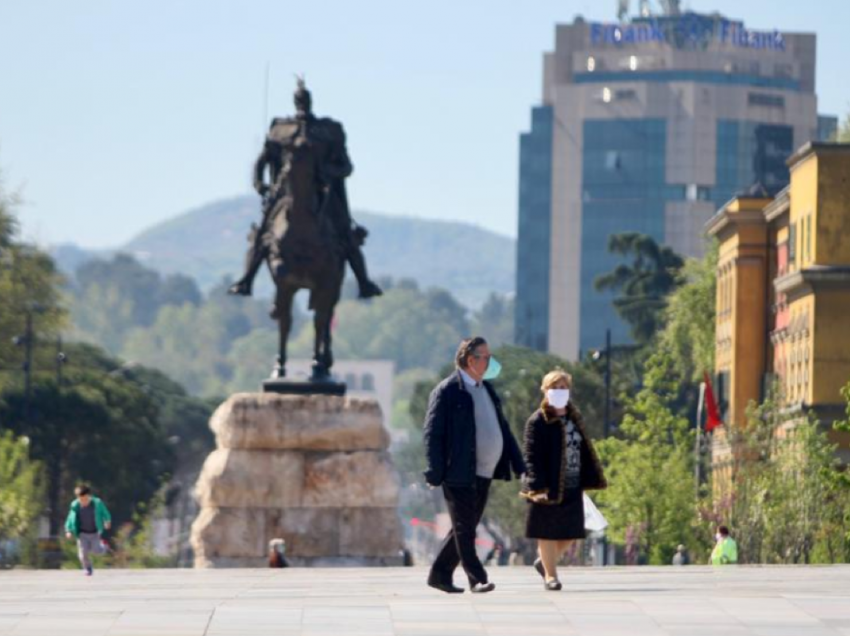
591 64
351 381
809 238
367 382
765 99
633 63
792 242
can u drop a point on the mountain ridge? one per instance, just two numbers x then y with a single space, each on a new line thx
208 243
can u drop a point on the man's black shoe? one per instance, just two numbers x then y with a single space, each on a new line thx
481 588
448 588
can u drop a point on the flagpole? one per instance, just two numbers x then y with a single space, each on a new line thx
698 440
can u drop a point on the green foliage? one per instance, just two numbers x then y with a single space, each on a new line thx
650 502
495 318
416 329
108 298
790 501
644 285
99 428
689 331
21 488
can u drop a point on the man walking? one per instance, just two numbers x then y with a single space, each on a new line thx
87 519
468 443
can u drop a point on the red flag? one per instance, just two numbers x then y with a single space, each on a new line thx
712 420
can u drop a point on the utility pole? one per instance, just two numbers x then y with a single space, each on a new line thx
61 359
28 338
698 442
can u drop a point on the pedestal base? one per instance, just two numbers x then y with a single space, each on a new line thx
313 470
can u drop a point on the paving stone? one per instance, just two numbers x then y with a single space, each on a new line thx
690 601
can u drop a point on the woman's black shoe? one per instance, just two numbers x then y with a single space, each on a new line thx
538 565
553 586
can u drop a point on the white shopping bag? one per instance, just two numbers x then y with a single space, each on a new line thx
593 519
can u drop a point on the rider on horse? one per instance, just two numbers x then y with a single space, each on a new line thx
288 136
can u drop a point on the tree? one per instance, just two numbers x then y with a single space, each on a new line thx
644 285
414 328
790 498
650 502
21 488
495 320
690 318
109 298
99 428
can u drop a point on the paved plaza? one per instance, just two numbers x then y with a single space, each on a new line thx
689 601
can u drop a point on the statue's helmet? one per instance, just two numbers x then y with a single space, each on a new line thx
303 100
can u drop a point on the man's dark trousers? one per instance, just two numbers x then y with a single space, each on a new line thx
466 506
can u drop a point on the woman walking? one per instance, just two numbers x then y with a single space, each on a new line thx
561 464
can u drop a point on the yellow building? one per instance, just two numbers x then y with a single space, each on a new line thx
783 293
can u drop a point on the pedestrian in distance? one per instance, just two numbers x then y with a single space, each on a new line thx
725 551
468 443
87 519
681 556
561 464
277 554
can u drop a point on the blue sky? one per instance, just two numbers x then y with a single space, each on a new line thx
116 115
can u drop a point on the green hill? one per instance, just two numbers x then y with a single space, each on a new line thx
209 242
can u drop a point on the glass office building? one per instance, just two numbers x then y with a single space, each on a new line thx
647 126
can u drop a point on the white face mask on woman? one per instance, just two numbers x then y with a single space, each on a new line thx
558 398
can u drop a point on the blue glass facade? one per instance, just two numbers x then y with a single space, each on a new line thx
533 235
750 153
623 176
827 127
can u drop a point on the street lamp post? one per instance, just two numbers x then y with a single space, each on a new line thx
606 424
606 418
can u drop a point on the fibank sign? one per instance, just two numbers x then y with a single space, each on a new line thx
690 31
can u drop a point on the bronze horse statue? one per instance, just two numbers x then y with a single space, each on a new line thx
306 235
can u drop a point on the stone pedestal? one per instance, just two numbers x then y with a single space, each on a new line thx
311 469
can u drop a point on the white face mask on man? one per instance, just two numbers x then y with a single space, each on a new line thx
557 398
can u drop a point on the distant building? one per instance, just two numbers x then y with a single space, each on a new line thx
783 293
648 126
365 379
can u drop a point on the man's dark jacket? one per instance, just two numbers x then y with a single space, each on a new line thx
450 436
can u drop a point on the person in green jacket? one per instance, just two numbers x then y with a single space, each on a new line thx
725 550
87 519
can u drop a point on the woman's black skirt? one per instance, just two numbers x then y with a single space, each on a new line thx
558 523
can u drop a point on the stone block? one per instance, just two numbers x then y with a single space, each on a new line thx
307 422
239 478
338 480
309 532
370 532
228 532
